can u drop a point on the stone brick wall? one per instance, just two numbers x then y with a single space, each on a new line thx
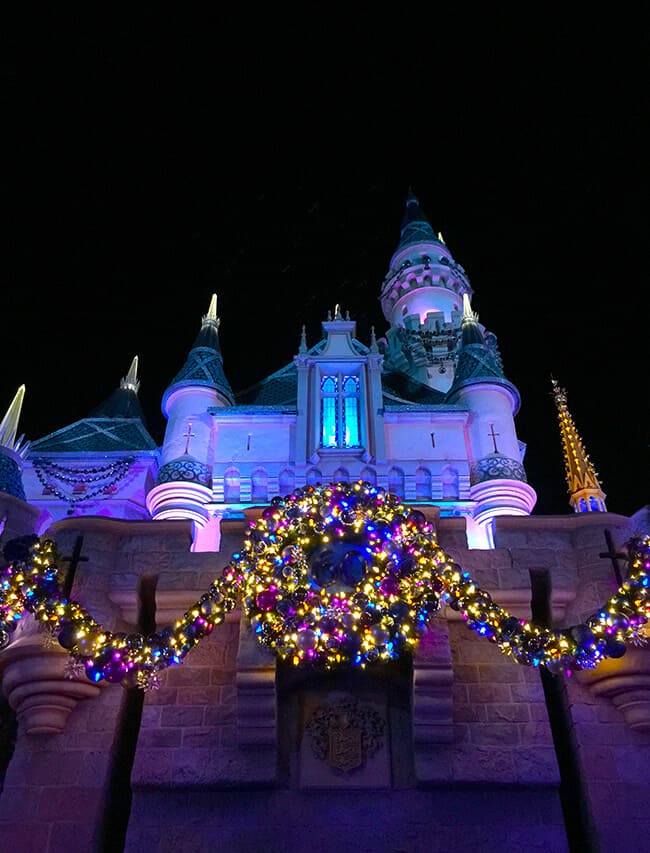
473 765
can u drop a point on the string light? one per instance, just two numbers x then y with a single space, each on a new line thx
329 576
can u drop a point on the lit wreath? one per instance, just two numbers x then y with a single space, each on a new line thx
340 574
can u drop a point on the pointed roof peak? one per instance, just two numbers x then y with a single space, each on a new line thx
9 424
415 225
123 401
585 491
204 364
411 197
559 394
208 335
469 316
131 382
211 318
471 331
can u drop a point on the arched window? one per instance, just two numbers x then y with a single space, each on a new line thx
231 486
449 477
369 476
422 484
286 482
396 482
340 410
341 476
259 485
314 477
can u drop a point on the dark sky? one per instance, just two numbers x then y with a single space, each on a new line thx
150 161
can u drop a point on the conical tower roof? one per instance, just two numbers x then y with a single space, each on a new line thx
116 424
415 225
586 494
204 364
478 362
123 402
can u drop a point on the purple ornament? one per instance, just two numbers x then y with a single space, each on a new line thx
267 599
389 586
417 518
115 670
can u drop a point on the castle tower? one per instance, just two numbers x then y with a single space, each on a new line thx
184 482
498 482
99 465
585 493
421 298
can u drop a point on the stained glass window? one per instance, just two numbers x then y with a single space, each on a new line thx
340 408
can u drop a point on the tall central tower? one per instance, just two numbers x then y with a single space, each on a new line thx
422 300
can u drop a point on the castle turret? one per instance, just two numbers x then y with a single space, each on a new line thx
585 493
498 482
184 481
421 298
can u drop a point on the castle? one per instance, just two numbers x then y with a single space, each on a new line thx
205 737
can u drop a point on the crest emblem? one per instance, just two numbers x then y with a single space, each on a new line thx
345 733
345 751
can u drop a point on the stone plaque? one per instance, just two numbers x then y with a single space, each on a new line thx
345 741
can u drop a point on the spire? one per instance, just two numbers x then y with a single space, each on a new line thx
471 333
586 494
12 451
415 225
131 381
9 424
204 364
478 357
123 402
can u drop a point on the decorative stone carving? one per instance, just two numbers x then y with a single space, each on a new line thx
625 682
36 681
344 733
344 743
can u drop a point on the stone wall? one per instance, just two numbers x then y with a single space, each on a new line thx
468 756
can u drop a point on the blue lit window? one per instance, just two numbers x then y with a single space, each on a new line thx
339 411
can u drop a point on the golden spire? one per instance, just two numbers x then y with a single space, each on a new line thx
586 494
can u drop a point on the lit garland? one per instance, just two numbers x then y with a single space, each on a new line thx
329 576
33 583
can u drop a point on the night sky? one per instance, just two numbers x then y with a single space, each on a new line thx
151 161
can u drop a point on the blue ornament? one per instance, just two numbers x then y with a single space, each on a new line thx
352 568
68 636
323 567
614 648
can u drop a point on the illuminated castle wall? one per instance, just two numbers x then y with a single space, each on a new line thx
425 411
470 748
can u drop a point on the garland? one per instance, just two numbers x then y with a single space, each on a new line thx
329 576
106 476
